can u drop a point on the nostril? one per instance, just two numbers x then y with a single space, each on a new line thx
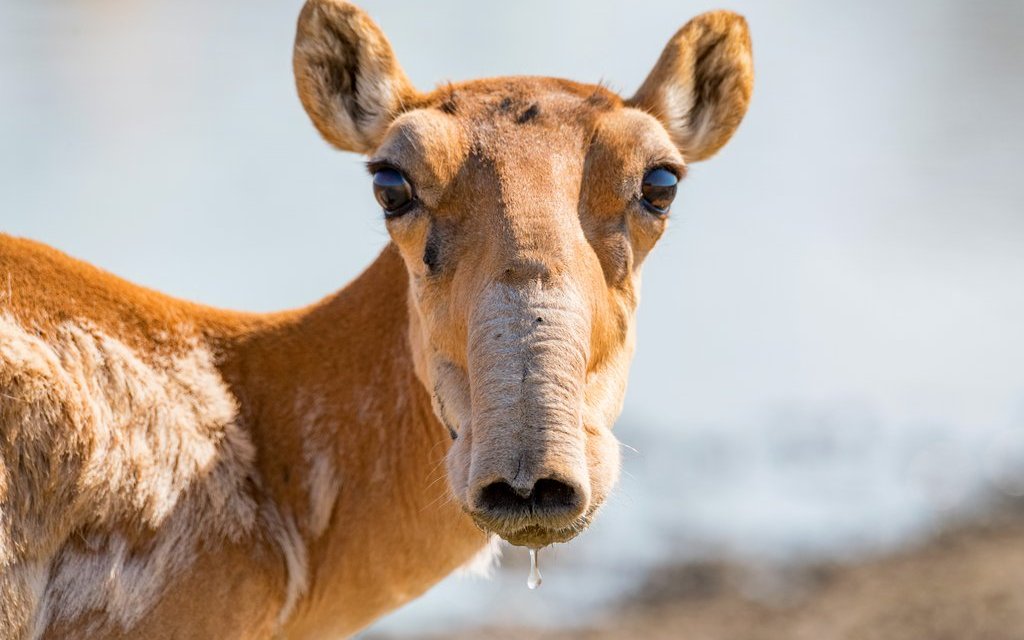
548 497
500 497
553 495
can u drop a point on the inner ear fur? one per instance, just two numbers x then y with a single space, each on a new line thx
701 85
348 79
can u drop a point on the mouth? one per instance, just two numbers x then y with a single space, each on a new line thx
533 534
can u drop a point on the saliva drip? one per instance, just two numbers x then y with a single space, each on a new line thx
535 578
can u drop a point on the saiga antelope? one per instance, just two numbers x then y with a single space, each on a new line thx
172 470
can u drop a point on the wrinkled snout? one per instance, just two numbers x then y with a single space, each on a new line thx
528 477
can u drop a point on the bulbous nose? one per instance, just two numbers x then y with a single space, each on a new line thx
548 501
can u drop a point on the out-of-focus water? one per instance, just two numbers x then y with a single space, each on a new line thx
830 355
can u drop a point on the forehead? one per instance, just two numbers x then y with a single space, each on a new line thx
509 124
491 115
525 101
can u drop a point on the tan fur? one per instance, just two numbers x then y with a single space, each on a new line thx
172 470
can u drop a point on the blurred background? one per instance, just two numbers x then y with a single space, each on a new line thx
825 417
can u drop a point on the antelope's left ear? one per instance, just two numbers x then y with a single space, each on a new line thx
701 85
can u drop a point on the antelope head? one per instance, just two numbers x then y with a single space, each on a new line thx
523 208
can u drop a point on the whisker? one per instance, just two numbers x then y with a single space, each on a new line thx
631 448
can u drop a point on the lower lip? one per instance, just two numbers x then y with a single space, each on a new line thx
535 536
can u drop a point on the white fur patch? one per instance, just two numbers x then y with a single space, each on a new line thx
677 107
485 561
323 484
322 480
112 469
285 534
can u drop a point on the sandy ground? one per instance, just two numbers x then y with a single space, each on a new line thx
965 584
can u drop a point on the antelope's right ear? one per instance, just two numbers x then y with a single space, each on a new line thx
348 79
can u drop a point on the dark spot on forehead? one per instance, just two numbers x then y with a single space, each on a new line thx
506 104
600 100
448 100
449 105
532 112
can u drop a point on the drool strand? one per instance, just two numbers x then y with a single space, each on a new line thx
535 578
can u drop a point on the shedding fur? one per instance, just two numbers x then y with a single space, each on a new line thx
87 426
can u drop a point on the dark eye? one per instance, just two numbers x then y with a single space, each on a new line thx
659 189
393 191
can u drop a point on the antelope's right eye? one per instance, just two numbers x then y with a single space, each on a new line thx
393 191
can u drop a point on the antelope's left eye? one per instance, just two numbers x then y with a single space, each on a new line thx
659 189
393 191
